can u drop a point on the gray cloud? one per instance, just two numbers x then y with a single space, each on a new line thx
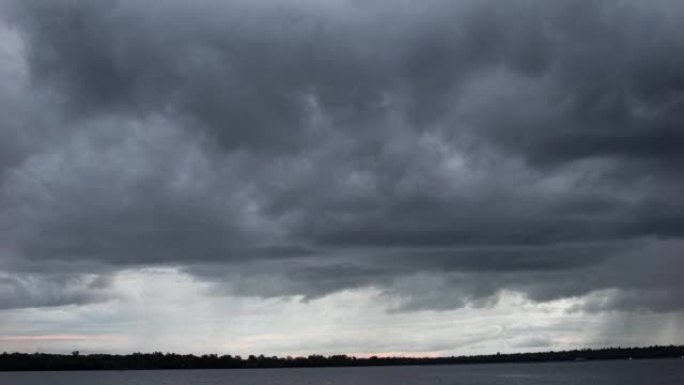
38 290
440 152
533 342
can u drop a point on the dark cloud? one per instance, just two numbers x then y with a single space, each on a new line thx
440 152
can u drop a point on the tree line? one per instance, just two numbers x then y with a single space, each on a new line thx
158 360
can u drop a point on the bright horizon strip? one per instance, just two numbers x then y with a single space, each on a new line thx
59 337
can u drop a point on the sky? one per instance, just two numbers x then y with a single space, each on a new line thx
288 177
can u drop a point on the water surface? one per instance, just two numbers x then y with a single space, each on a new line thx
637 372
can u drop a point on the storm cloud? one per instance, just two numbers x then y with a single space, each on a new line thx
441 152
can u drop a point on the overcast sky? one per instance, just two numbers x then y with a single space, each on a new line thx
342 176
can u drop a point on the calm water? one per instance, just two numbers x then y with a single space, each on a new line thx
662 372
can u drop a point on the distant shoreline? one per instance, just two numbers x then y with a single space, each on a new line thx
170 361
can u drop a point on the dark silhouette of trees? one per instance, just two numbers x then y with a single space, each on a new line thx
158 360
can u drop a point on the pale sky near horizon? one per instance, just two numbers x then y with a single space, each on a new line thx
289 177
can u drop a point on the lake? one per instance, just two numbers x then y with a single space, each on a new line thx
662 372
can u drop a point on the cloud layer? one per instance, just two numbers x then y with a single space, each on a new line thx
439 152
